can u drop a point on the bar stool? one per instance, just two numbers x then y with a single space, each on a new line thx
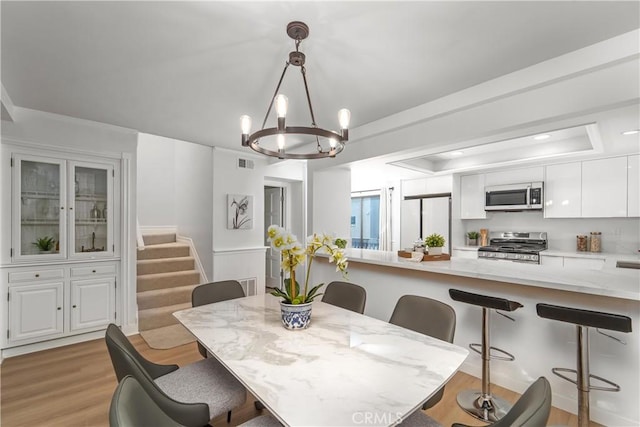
584 319
481 404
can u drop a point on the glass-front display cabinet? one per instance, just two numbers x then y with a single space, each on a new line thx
62 209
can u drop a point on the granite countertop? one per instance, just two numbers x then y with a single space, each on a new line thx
610 282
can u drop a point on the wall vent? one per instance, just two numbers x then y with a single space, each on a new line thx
245 164
249 286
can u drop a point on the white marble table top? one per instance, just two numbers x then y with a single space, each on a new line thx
345 369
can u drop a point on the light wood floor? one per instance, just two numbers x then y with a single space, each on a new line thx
72 386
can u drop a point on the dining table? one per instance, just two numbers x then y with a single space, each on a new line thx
345 369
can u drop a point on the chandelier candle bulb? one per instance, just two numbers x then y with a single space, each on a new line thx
245 126
281 111
344 117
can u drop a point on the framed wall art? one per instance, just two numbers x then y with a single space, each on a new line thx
239 212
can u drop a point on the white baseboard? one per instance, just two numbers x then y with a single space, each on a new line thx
46 345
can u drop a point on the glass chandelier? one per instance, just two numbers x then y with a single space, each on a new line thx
328 143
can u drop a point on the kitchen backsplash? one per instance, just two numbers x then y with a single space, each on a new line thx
619 235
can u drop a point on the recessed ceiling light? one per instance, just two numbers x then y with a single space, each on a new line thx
542 137
456 153
630 132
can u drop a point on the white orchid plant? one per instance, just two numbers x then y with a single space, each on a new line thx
294 254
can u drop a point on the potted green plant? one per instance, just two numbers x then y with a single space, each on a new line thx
472 238
434 242
45 244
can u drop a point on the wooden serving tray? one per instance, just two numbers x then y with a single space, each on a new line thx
426 257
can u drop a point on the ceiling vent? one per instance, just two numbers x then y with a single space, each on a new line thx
245 164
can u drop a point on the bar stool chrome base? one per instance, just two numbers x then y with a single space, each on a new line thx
485 408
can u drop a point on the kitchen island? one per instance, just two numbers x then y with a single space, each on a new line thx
538 344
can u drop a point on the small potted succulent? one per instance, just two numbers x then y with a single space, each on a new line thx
45 244
434 242
472 238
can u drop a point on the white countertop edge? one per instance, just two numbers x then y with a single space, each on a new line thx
609 282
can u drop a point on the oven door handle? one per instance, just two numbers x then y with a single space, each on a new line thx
528 202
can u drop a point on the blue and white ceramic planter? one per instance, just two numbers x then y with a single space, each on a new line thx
295 316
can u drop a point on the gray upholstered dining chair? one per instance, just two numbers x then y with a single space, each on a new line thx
215 292
346 295
191 395
131 406
429 317
531 410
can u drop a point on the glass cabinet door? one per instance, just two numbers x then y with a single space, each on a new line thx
91 214
39 209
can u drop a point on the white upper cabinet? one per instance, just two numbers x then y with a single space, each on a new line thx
633 185
472 197
604 188
563 191
62 209
514 176
421 186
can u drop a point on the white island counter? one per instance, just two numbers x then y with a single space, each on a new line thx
538 344
611 282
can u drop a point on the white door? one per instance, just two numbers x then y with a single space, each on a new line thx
92 303
35 311
273 214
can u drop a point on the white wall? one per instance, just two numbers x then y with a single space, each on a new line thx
66 132
175 189
156 181
238 254
332 202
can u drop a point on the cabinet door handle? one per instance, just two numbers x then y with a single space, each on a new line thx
74 306
93 271
59 308
71 208
37 275
61 207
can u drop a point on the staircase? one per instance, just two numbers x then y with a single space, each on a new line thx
166 278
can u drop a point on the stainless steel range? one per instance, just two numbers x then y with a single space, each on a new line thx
513 246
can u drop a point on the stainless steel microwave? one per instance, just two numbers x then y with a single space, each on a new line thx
514 197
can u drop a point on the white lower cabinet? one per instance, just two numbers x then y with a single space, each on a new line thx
92 303
82 298
35 311
584 263
575 262
551 261
465 253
